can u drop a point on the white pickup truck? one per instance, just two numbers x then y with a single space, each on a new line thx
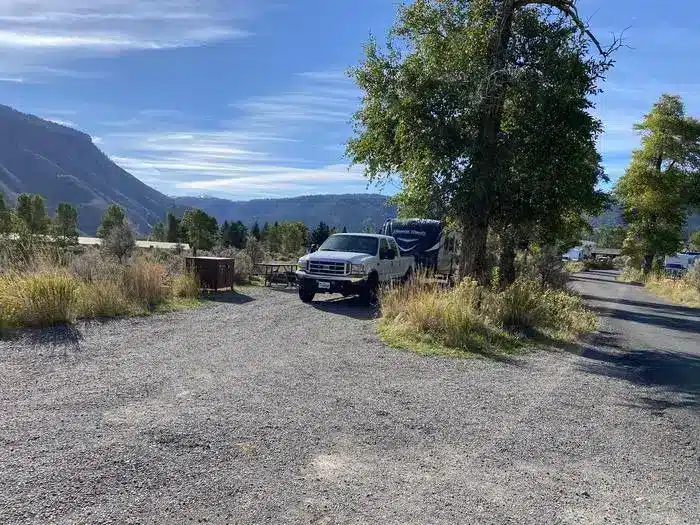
352 264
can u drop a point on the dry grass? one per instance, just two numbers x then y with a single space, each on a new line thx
185 286
631 275
38 299
40 289
471 319
684 291
574 267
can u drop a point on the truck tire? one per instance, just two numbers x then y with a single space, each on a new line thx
306 295
370 294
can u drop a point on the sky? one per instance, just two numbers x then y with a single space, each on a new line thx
249 99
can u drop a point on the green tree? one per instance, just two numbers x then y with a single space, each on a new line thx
610 236
255 231
200 230
695 240
113 216
658 187
31 213
158 231
436 111
120 240
172 231
65 225
5 216
320 234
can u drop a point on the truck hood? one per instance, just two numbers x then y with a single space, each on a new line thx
351 257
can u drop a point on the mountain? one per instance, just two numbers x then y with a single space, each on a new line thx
613 217
354 211
63 164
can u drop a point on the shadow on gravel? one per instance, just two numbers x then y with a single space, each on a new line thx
665 308
227 297
351 307
675 372
66 336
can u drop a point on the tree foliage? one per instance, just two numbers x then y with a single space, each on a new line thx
660 184
233 234
5 216
31 213
65 226
610 236
320 234
482 109
120 240
172 230
113 216
200 230
694 242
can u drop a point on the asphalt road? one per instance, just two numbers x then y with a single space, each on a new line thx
264 410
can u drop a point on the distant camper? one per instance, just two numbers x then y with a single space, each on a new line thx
432 245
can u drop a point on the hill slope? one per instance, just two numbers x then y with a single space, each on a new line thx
62 164
356 212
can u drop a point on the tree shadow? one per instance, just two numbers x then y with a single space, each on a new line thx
351 307
229 297
667 308
681 324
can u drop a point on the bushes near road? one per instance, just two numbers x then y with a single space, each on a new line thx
43 290
683 290
474 319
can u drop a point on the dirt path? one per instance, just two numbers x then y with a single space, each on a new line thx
266 410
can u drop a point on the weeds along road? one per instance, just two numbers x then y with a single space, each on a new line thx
266 410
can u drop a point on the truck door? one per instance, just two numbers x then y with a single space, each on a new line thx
385 261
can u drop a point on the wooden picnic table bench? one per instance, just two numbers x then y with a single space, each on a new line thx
279 272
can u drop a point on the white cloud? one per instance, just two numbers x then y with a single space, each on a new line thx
38 34
280 143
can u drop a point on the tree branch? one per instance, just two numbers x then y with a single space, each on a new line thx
568 7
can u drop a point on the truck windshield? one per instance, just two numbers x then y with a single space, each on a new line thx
350 243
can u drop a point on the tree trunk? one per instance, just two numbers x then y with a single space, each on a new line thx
507 260
485 161
473 250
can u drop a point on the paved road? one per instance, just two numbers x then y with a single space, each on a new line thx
265 410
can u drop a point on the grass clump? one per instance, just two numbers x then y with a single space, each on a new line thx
472 319
39 299
575 267
185 286
631 275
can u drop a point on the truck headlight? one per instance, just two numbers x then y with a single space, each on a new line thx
301 265
357 269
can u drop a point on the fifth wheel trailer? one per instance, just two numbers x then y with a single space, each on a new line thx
433 245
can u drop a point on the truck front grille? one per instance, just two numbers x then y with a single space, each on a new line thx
327 268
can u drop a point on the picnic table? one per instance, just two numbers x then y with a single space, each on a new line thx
279 272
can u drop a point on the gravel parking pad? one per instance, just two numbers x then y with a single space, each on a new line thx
266 410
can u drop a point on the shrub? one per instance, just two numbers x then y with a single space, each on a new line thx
185 286
103 299
120 241
543 264
143 283
472 317
631 275
91 266
38 299
595 264
575 267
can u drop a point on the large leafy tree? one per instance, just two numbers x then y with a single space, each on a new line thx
442 101
31 213
65 225
661 182
5 216
200 230
113 216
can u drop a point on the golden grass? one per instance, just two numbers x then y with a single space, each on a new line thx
574 267
185 286
683 291
42 299
474 320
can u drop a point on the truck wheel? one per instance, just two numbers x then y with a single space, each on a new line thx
370 294
306 295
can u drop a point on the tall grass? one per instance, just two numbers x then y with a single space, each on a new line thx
40 299
683 290
474 318
37 288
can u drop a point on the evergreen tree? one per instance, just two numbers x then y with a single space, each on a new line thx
65 225
172 230
113 216
31 213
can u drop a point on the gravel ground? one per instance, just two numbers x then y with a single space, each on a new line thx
266 410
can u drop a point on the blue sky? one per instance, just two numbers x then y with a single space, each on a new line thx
247 98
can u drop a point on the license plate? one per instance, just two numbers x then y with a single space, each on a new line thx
323 285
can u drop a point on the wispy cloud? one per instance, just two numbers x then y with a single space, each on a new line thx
280 143
38 34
